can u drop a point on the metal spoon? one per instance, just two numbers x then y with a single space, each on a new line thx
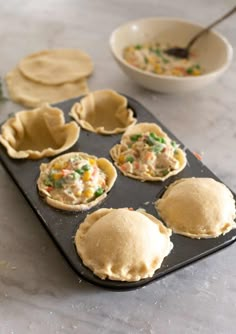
184 52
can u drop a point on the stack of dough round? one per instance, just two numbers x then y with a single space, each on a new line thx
49 76
124 245
198 208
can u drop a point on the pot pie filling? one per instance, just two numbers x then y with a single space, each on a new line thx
151 57
75 180
149 154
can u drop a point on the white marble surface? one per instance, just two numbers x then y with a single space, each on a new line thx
39 293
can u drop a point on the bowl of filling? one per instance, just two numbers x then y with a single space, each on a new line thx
139 47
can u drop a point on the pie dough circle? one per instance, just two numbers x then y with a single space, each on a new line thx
56 66
198 208
33 94
59 200
123 245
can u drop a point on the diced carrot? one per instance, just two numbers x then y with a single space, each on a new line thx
148 155
123 167
197 155
136 165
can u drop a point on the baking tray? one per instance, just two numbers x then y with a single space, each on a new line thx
126 192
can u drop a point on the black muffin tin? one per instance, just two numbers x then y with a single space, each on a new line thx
126 192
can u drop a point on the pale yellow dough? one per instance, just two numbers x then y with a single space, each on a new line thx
56 66
33 94
103 111
104 164
123 245
198 208
118 149
37 133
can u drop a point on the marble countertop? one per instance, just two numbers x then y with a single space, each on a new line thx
39 293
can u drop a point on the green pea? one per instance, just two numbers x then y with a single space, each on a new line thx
129 159
189 70
79 171
99 192
158 148
86 168
165 172
135 137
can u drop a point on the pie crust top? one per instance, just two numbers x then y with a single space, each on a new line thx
123 245
198 208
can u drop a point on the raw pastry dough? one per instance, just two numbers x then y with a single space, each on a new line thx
76 181
147 153
33 94
38 133
121 244
198 208
103 111
56 66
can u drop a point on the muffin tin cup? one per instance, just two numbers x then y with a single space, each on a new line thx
126 192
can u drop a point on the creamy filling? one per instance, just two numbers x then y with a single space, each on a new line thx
75 181
152 58
148 155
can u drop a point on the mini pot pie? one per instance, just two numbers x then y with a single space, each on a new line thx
123 245
198 208
38 133
147 153
103 111
76 181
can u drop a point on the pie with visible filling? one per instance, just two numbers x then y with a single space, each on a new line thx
147 153
76 181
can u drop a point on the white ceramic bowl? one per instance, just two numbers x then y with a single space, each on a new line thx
213 51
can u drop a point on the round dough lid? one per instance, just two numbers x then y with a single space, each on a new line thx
33 94
124 245
198 208
56 66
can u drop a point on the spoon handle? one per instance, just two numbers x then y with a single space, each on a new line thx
193 40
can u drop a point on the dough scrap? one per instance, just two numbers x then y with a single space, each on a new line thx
121 151
56 66
38 133
103 111
198 208
33 94
65 199
123 245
